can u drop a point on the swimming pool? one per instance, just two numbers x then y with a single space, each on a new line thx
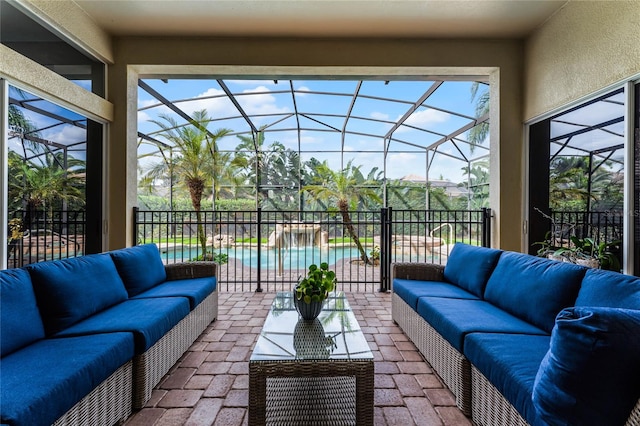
293 258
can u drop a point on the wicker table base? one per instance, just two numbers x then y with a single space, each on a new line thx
311 393
311 372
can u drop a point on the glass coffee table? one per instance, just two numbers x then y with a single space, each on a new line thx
311 372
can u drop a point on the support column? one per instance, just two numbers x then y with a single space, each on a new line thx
121 167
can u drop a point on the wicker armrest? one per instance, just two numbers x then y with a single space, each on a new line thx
417 271
185 270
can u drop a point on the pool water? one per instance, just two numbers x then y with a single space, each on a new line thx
294 258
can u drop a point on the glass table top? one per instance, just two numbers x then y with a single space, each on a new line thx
334 335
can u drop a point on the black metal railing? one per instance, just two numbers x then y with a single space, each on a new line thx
45 235
270 250
601 226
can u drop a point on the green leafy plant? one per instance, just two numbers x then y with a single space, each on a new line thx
607 258
374 254
221 258
586 248
15 230
546 246
317 285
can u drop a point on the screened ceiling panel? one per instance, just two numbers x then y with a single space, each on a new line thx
315 141
397 161
38 126
404 91
363 143
396 146
455 97
325 118
368 126
416 135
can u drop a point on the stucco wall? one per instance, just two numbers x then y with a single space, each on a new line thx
499 61
585 47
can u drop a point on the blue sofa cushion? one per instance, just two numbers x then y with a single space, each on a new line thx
147 319
140 267
591 373
411 290
510 362
20 322
194 289
533 288
70 290
45 379
455 318
609 289
470 267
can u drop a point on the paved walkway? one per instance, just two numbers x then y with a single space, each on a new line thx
209 385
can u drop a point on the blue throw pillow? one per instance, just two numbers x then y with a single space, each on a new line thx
20 322
610 289
140 267
591 373
71 290
469 267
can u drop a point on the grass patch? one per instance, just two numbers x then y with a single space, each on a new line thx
348 240
251 240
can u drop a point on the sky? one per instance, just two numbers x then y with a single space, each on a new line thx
322 106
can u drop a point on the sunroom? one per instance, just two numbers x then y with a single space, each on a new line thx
561 80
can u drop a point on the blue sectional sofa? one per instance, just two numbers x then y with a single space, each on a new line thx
525 340
84 340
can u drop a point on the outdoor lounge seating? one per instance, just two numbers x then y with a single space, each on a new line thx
525 340
87 338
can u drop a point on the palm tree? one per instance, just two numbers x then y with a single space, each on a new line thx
346 189
195 151
43 184
477 183
479 133
568 182
250 156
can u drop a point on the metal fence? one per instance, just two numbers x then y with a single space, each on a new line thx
270 250
601 226
42 235
606 226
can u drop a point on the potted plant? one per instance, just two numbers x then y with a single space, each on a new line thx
311 291
606 257
549 250
585 251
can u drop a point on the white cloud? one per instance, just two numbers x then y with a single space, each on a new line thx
215 102
143 116
379 115
401 157
260 102
144 103
300 91
424 118
66 134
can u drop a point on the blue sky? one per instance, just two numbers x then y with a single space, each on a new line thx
317 101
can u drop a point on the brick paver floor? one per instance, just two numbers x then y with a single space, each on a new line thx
209 385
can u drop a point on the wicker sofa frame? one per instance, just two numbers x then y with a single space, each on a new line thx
130 387
474 394
151 366
108 404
